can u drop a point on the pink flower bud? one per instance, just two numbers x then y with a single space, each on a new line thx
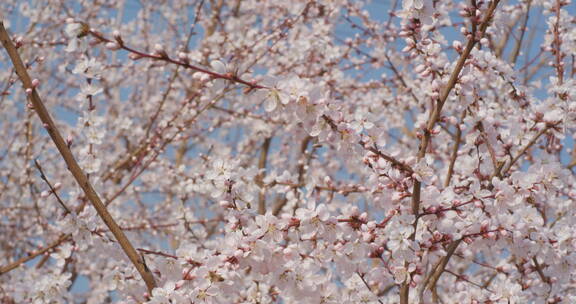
420 68
183 56
426 73
112 46
158 48
185 271
134 56
179 285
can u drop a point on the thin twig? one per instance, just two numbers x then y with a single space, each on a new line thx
164 57
301 170
454 155
31 256
488 145
500 171
52 189
516 50
368 286
432 278
463 278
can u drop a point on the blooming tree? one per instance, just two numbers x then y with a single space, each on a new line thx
416 151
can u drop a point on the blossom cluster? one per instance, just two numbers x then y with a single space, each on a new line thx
340 151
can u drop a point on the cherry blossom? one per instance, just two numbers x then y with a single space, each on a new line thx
341 151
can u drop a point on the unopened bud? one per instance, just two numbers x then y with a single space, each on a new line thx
117 37
183 56
69 140
112 46
134 56
159 50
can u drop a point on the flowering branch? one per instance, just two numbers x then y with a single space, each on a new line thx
73 166
434 117
308 188
163 56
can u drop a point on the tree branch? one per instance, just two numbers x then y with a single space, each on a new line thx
71 162
434 117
